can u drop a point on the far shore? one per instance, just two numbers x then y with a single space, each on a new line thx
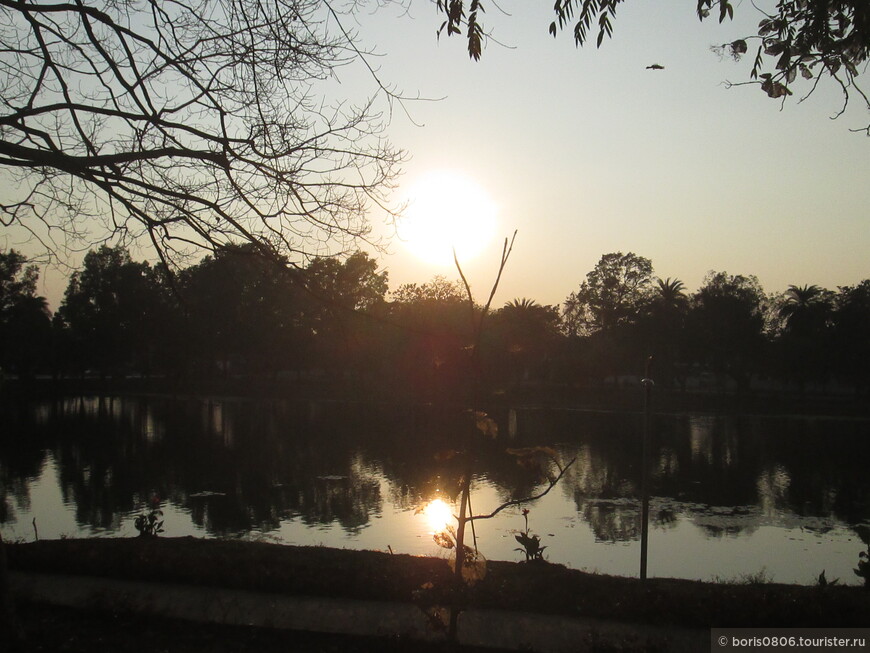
628 397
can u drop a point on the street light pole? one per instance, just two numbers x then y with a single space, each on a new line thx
648 384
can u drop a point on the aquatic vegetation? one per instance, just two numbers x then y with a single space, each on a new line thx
531 543
150 524
863 569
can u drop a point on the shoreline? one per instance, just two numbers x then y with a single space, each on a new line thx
541 588
627 399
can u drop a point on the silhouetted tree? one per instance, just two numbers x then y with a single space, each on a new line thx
437 290
189 123
354 284
109 310
662 330
605 311
725 325
27 334
25 321
612 295
338 295
243 313
670 293
431 335
803 345
806 309
523 334
851 318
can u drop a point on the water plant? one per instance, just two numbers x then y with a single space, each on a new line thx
863 569
150 524
760 577
531 543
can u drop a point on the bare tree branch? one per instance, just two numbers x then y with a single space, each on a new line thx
196 123
516 502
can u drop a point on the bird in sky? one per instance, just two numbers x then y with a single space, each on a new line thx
655 66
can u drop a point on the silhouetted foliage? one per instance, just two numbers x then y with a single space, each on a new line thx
431 333
613 295
521 340
340 294
726 325
812 39
333 325
803 347
241 312
439 289
108 308
662 330
851 319
25 326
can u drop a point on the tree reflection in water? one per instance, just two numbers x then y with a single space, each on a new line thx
240 466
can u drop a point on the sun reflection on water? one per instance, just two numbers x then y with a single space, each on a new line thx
438 515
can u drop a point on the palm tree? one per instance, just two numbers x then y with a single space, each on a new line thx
671 292
528 331
807 312
806 309
665 323
524 304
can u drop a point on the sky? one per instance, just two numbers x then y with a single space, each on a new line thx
584 152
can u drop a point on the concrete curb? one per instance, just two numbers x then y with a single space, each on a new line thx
484 628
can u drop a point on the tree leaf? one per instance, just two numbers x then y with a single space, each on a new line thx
443 540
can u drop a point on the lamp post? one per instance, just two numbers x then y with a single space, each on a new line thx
648 384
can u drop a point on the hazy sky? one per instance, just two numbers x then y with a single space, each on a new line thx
586 151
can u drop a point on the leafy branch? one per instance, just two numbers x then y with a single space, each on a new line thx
811 39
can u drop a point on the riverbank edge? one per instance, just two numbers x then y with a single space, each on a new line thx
425 583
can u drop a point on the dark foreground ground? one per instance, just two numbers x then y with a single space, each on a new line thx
66 630
319 571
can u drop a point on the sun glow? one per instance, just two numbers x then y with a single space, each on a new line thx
438 515
447 210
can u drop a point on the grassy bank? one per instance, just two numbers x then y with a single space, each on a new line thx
537 587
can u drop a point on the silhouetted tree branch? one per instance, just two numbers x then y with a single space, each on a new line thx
810 38
194 124
532 497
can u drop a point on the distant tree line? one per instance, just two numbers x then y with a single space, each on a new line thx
236 314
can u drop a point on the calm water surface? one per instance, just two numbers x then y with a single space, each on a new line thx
732 496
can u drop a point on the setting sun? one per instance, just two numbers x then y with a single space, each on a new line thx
447 210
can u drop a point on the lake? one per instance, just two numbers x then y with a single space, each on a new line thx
732 496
